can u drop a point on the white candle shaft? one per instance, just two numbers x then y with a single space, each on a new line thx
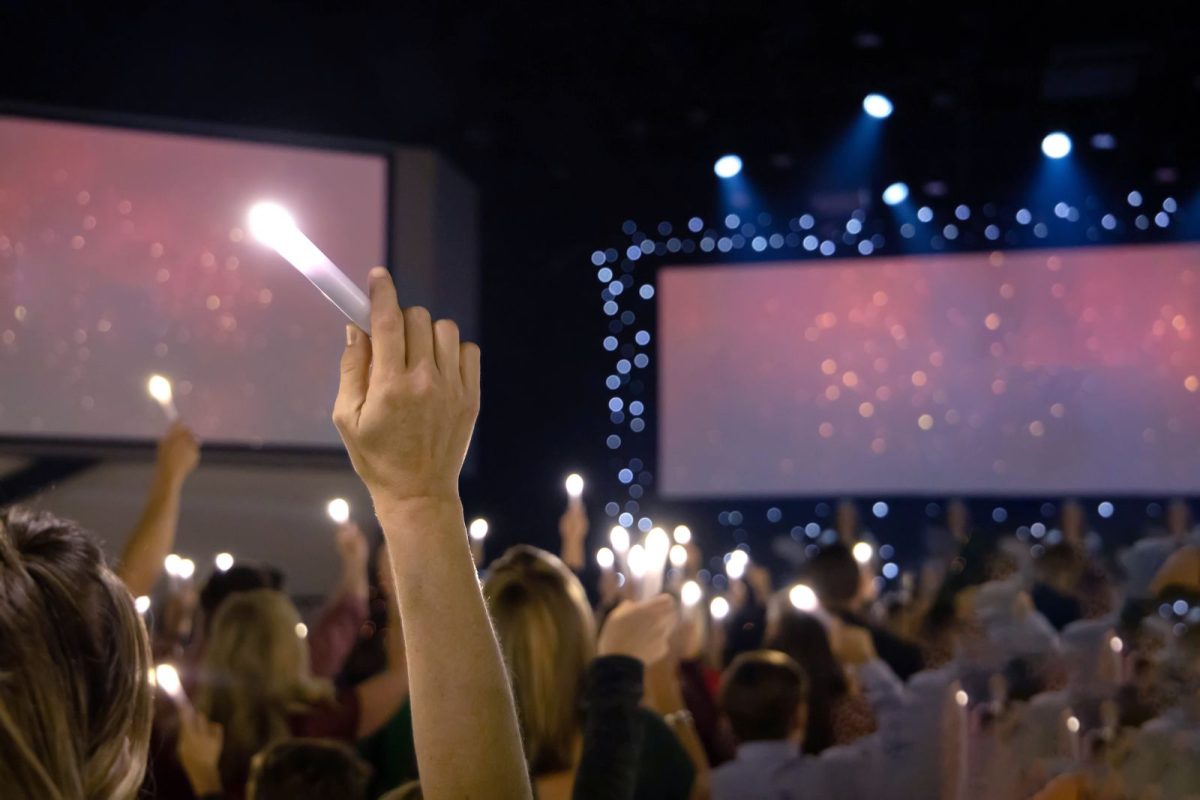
324 274
168 407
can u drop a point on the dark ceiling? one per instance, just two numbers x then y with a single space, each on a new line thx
571 117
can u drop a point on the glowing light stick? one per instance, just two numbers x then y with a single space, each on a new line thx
803 598
574 484
478 531
658 546
272 225
224 561
719 608
166 677
160 389
605 558
338 510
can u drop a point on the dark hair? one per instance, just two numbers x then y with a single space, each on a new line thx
802 637
1058 561
241 577
760 693
304 769
75 701
834 575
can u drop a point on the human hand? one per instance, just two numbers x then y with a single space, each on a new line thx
855 646
573 524
178 452
352 547
407 401
199 751
640 630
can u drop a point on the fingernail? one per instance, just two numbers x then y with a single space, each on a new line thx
377 273
351 335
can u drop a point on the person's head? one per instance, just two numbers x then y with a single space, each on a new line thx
75 695
241 577
1179 517
547 635
1059 566
764 694
308 769
255 674
803 638
836 577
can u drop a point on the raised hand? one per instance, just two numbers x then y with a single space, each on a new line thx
639 630
178 452
199 750
408 400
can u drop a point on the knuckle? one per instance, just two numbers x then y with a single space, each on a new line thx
418 312
446 327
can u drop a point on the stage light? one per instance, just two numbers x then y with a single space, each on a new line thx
1056 145
880 509
727 166
877 106
1105 509
890 570
895 194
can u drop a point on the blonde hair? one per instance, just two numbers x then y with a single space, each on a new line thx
255 676
547 635
75 696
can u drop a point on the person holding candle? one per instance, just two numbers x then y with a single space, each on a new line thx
153 537
406 408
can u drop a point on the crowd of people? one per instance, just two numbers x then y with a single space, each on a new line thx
1006 667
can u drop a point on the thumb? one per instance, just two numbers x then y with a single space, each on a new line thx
352 388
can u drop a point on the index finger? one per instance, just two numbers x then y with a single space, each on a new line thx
387 320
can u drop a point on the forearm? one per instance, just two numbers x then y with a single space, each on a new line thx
461 701
379 698
153 537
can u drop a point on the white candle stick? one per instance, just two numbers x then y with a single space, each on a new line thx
478 531
658 546
962 700
272 225
1118 654
160 389
1076 742
574 486
338 510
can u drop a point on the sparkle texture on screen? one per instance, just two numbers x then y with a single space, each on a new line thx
1073 370
124 254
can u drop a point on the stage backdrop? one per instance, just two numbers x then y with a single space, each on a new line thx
1021 372
125 253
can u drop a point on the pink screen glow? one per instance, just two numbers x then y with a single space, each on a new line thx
1041 372
124 253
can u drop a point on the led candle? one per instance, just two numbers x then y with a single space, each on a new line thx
605 558
682 534
961 699
690 594
719 608
160 389
272 225
618 537
338 510
803 598
478 531
141 603
223 561
658 546
166 677
574 485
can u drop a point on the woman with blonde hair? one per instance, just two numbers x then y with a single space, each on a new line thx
548 638
256 683
75 696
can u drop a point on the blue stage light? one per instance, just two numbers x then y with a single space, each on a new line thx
877 106
727 166
895 194
1056 145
